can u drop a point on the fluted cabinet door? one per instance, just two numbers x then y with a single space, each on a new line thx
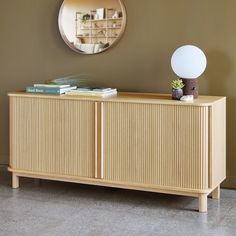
163 145
52 136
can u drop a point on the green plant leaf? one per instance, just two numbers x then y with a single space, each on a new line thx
177 84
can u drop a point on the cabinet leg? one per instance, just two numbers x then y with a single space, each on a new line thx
216 193
15 181
202 203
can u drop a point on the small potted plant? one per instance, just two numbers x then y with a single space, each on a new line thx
85 18
177 89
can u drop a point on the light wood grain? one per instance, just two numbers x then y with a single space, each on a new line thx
15 180
203 203
101 141
147 98
217 143
113 184
216 193
156 144
52 136
98 140
135 141
96 143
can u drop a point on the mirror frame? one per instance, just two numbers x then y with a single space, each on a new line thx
124 24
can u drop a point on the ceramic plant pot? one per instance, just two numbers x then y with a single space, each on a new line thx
177 94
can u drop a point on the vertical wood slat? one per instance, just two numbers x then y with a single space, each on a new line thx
102 142
217 143
156 144
165 145
52 136
98 140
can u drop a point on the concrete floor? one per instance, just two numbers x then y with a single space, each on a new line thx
55 208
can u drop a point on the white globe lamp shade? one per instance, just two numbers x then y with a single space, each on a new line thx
188 62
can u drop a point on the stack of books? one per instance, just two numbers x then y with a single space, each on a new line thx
50 88
94 92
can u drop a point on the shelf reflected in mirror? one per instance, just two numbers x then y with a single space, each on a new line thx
92 26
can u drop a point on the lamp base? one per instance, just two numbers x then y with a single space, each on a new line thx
191 87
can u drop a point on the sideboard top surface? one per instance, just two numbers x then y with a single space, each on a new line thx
149 98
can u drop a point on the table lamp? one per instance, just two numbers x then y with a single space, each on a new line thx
189 62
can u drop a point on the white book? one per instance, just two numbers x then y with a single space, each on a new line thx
52 85
94 89
103 89
68 89
91 93
86 91
83 89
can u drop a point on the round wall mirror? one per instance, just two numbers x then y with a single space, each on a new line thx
92 26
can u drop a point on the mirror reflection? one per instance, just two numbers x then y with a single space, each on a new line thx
92 26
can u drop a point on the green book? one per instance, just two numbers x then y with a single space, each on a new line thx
46 90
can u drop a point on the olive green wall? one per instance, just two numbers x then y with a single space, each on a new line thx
31 50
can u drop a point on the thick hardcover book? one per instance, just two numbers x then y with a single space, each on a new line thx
46 90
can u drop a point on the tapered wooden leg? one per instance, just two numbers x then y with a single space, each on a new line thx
202 203
216 193
15 181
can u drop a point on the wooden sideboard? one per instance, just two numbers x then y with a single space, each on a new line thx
135 141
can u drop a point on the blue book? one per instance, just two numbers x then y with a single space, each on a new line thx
32 89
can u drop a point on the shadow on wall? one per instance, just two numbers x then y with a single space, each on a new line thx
218 72
230 182
231 133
